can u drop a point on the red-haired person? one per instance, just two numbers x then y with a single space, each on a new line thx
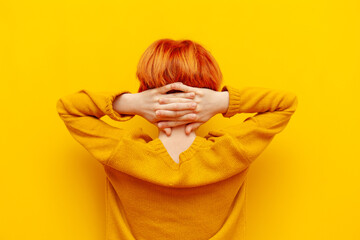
178 185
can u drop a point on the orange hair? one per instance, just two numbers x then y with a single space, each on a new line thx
166 61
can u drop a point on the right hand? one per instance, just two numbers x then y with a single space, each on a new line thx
209 103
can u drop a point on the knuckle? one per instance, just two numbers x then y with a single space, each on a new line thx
154 108
158 108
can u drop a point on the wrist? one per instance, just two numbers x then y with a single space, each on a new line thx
223 102
124 104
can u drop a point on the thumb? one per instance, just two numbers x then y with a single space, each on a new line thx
191 127
167 131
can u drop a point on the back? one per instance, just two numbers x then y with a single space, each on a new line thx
160 199
149 196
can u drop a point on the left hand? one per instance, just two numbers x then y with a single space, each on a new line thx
180 107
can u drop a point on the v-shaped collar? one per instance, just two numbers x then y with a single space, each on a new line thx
158 146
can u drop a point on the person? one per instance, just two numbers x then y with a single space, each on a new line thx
178 185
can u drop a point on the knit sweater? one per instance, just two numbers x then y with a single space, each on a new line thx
151 197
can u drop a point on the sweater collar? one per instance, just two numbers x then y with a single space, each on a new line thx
159 147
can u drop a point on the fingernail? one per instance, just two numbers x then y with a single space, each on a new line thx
193 104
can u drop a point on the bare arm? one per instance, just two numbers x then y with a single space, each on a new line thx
126 104
223 102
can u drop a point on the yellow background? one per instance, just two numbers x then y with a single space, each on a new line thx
305 185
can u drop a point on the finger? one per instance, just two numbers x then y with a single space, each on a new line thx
176 115
174 100
179 95
176 86
191 127
172 114
184 88
168 87
167 124
177 106
167 131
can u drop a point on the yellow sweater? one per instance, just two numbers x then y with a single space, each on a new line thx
151 197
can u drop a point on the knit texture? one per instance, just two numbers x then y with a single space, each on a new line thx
151 197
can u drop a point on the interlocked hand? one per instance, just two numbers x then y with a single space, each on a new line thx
208 103
157 105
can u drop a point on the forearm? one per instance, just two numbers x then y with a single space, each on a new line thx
259 99
126 104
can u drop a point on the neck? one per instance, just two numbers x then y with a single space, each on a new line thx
177 133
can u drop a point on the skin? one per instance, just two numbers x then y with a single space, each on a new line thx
172 113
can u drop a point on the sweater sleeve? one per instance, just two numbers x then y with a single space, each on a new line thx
81 113
273 109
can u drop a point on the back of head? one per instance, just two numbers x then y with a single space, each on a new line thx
166 61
